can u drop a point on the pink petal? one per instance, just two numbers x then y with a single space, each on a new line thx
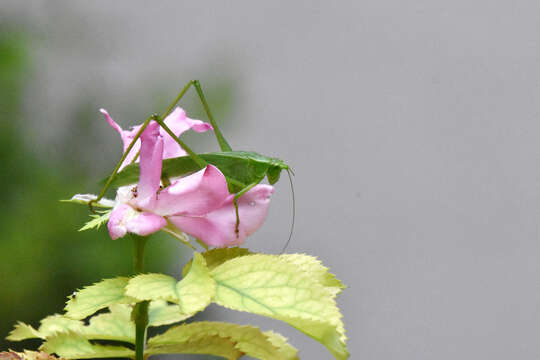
196 194
179 123
151 158
116 226
218 227
127 136
145 224
125 219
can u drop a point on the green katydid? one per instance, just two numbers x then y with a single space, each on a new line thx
242 170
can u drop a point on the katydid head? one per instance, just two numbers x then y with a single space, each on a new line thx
274 170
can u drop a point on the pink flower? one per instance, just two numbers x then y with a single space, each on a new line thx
177 121
198 204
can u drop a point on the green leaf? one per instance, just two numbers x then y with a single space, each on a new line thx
160 313
49 326
23 331
246 340
217 257
74 346
114 325
288 351
87 301
269 286
211 345
58 323
314 269
193 293
97 220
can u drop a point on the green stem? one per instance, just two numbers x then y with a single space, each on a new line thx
140 311
140 316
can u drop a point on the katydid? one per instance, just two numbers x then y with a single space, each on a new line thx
242 170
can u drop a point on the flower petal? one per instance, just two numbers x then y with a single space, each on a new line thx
218 227
125 219
117 227
179 123
196 194
145 223
127 136
151 159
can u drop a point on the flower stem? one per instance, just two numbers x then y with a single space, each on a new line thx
140 311
140 316
138 253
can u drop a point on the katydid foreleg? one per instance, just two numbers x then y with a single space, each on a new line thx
117 167
138 135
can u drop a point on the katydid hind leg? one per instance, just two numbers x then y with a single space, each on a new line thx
223 144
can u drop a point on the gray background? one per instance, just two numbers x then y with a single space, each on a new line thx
413 129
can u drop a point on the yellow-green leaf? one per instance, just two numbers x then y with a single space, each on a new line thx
114 325
107 292
315 269
49 326
73 346
270 286
160 313
23 331
193 293
279 341
246 340
217 257
211 345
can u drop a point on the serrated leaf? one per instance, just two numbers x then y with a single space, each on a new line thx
211 345
49 326
193 293
114 325
103 294
288 351
247 340
74 346
160 313
84 199
58 323
97 221
269 286
23 331
217 257
316 270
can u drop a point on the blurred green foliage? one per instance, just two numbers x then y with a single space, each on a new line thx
44 258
